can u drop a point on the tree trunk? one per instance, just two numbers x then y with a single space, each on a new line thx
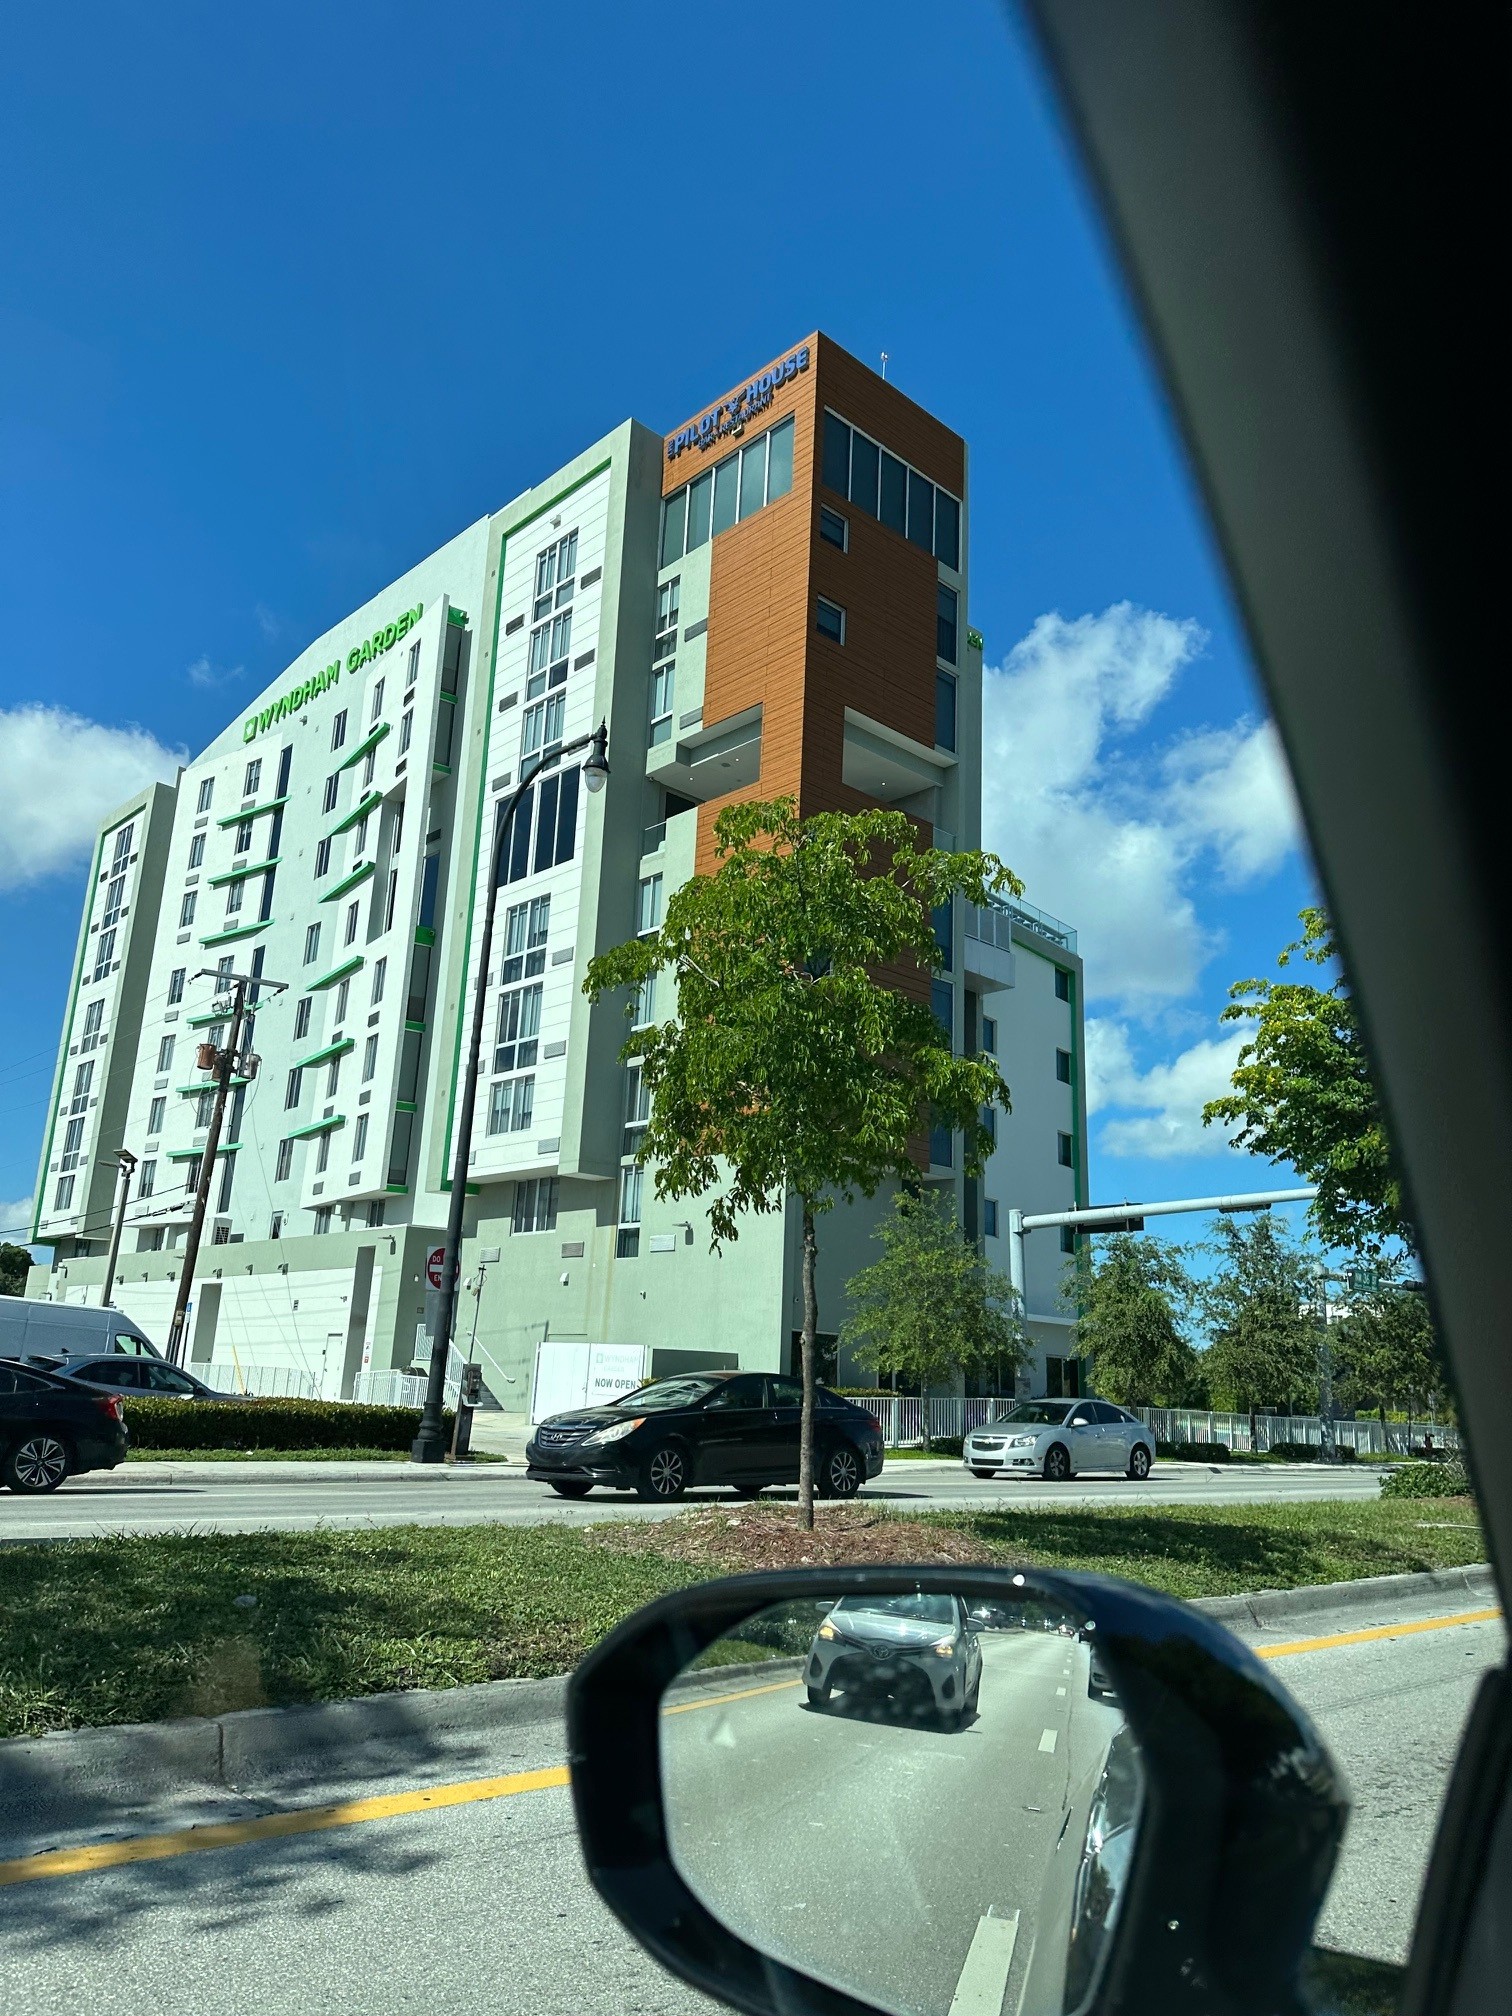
810 1326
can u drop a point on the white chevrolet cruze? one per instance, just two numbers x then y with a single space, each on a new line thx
1061 1439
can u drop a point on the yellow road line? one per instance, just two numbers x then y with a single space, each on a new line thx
718 1700
273 1826
1376 1631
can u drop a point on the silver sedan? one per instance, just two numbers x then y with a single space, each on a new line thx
1057 1439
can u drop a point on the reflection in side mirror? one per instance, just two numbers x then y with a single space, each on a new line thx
926 1804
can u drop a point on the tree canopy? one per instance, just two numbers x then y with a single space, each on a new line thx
1264 1349
1303 1094
15 1265
1387 1354
801 1061
1132 1296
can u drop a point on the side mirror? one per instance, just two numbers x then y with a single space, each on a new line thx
766 1777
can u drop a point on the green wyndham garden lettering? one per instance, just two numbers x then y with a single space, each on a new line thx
361 654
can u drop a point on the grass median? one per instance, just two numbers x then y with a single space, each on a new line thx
136 1628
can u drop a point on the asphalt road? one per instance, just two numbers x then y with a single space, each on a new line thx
483 1907
141 1498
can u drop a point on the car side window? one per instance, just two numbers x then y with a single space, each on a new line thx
1081 1418
1103 1414
738 1393
128 1376
785 1392
97 1375
13 1380
164 1379
136 1347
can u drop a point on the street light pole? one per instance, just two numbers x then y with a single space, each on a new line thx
429 1445
125 1163
224 1063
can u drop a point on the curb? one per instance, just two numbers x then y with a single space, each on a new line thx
1268 1609
145 1474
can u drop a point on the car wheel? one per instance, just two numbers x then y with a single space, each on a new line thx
982 1473
818 1697
1057 1463
1139 1463
840 1474
664 1474
570 1488
39 1463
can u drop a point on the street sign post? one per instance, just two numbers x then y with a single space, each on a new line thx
435 1261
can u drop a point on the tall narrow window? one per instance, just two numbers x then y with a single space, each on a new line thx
186 911
292 1089
323 1159
322 857
945 710
206 793
519 1028
370 1060
312 944
343 995
196 850
360 1137
377 707
946 605
156 1113
302 1017
165 1055
352 916
338 730
176 985
253 778
146 1178
380 972
235 895
284 1163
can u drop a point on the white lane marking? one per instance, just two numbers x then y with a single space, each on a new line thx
1060 1690
1047 1741
984 1978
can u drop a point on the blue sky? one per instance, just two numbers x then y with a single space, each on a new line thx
291 296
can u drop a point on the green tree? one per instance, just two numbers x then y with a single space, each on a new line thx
15 1263
1303 1094
1387 1355
1132 1297
1264 1349
932 1305
792 1067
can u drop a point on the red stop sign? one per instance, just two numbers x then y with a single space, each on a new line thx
435 1260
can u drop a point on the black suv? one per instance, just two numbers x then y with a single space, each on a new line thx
736 1428
50 1429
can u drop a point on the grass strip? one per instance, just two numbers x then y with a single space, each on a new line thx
135 1628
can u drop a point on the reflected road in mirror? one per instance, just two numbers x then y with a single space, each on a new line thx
912 1800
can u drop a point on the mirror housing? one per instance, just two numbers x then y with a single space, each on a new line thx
1244 1810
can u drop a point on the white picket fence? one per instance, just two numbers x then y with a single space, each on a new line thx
267 1382
906 1420
403 1389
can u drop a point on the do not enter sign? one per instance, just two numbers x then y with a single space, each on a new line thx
435 1260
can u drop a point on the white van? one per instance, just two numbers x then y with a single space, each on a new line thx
57 1330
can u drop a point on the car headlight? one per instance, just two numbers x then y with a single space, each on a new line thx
944 1647
1021 1442
617 1433
827 1630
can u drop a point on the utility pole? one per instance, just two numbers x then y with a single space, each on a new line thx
225 1063
126 1162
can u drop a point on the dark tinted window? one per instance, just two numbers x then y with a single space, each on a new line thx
786 1392
165 1379
837 445
947 529
746 1392
107 1374
945 710
893 509
14 1380
666 1393
1041 1413
921 510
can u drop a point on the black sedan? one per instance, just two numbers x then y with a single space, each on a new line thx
735 1428
132 1378
51 1429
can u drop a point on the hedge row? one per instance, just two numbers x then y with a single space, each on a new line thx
269 1424
1195 1452
1428 1480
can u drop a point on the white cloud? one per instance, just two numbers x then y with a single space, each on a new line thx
204 673
62 775
1166 1101
1106 832
267 622
16 1222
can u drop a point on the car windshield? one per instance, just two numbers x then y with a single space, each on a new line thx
1038 1413
920 1609
665 1394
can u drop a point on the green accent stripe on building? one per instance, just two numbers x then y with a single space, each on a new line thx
252 812
358 812
424 935
369 741
336 973
405 1106
588 476
324 1056
241 931
241 874
357 875
457 616
317 1127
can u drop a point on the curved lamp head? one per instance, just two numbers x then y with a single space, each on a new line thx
596 762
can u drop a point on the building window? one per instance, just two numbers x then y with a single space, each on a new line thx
519 1027
83 1074
941 1147
338 730
1063 1066
945 710
627 1240
377 707
293 1086
115 900
1068 1238
243 837
754 476
946 605
343 995
369 765
146 1178
942 1000
176 986
322 1218
312 944
406 729
63 1195
376 1210
535 1205
1063 1150
333 1077
354 911
526 928
390 900
276 1225
829 620
648 905
204 1106
186 911
511 1105
541 728
412 670
206 793
989 1218
359 838
94 1015
989 1035
855 466
197 851
551 617
360 1137
380 972
663 661
834 528
253 778
1062 984
302 1016
105 947
156 1113
637 1108
323 1153
234 896
370 1060
322 857
122 846
284 1161
73 1142
165 1055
